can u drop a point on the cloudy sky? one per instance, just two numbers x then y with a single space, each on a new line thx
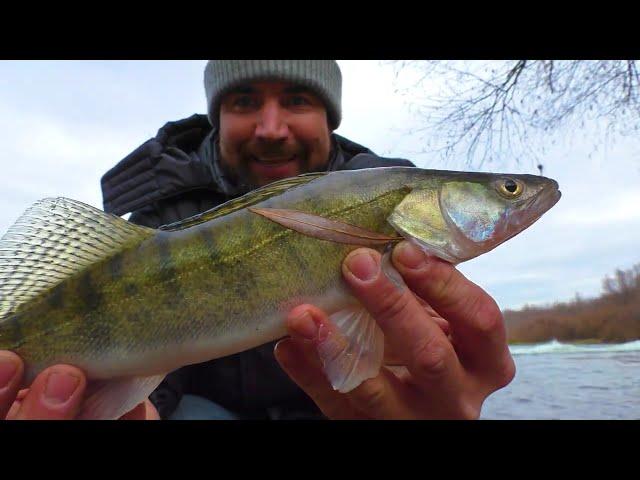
63 124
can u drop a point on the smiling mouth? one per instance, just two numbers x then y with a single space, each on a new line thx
274 161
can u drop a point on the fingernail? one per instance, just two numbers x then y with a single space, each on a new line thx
323 333
363 266
60 387
410 256
305 326
8 369
390 272
280 351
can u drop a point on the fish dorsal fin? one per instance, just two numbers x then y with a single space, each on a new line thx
252 198
54 239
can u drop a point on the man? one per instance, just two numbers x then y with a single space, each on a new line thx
268 120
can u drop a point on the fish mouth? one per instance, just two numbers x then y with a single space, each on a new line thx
523 218
540 203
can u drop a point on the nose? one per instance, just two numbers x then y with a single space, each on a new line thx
272 123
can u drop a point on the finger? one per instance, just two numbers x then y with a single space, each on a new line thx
424 347
56 394
391 356
13 411
442 323
382 397
385 397
21 394
151 411
400 372
143 411
299 358
303 328
474 317
295 358
138 413
11 369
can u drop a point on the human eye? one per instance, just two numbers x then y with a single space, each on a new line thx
243 102
298 101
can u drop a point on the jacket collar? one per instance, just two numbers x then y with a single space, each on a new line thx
184 157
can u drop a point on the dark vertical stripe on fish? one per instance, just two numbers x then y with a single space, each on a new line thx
171 288
115 267
209 244
130 289
55 300
90 300
13 327
166 270
295 252
88 295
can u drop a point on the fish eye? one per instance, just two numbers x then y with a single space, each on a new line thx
510 188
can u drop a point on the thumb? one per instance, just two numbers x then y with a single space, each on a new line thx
56 394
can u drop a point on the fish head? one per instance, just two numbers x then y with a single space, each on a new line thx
464 216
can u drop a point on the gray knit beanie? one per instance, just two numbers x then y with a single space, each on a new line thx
323 77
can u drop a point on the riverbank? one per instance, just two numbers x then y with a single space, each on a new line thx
613 317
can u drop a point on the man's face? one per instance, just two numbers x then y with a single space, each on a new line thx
272 130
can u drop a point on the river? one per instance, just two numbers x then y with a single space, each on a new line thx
567 381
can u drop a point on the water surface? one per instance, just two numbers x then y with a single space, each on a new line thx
564 381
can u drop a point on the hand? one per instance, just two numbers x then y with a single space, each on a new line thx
451 360
55 394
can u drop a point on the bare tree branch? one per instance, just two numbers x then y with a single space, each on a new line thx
494 110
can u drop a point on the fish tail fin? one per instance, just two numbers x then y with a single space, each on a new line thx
53 240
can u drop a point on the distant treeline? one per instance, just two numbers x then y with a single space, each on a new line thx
612 317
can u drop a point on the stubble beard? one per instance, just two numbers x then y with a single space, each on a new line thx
241 176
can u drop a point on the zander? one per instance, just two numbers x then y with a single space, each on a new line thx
128 304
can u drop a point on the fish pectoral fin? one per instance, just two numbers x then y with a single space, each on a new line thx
111 399
352 349
323 228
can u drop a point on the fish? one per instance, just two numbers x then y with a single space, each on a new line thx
128 304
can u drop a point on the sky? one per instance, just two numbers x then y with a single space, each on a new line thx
63 124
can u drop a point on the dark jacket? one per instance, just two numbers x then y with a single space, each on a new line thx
174 176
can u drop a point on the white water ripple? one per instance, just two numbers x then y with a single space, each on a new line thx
559 381
555 346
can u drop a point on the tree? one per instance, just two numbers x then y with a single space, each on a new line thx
508 110
625 284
